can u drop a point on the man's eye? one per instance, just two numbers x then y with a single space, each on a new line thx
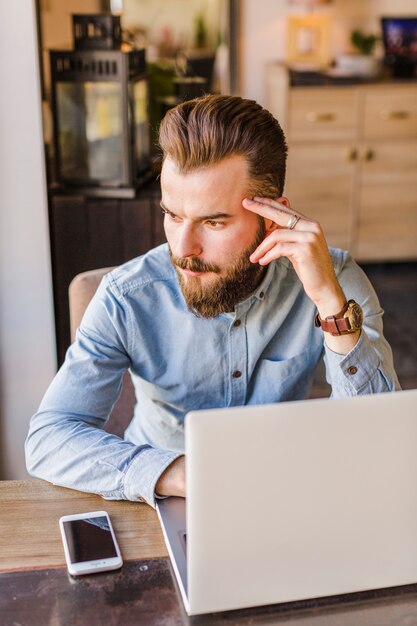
173 217
214 223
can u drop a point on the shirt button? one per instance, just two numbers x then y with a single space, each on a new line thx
237 323
261 295
237 374
141 499
352 370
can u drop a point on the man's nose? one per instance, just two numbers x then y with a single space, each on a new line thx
187 242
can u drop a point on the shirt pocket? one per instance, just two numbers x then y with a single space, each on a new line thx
283 379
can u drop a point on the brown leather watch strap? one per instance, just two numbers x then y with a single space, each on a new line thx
348 320
334 325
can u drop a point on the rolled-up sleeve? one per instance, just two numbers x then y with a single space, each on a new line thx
66 444
368 367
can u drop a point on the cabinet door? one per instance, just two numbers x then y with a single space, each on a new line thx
322 114
387 212
390 113
320 185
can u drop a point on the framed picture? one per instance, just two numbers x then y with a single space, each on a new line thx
308 40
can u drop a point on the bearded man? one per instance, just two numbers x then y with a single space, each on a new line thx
237 308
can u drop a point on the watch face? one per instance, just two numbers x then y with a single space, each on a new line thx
355 315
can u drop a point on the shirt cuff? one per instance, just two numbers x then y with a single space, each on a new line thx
355 369
144 472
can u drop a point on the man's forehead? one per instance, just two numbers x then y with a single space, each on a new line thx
223 184
236 164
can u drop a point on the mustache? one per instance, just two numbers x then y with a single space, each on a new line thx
195 265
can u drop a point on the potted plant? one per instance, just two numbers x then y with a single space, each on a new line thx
364 44
362 62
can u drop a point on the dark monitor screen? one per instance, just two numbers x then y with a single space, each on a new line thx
400 39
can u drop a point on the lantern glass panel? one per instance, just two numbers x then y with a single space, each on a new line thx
90 130
141 124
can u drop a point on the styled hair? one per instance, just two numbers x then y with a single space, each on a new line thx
206 130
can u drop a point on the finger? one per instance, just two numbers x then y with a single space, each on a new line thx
277 237
286 249
280 214
281 207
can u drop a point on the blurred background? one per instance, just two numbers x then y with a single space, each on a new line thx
84 84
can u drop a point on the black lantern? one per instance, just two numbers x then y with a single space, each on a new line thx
100 109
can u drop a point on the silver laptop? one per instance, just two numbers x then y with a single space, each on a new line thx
295 500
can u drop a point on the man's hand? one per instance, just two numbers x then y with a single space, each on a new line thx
305 246
172 480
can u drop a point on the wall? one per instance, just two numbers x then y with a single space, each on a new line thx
178 15
263 32
27 350
150 15
56 24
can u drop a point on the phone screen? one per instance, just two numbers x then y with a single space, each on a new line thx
89 539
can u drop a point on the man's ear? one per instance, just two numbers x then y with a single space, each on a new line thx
270 225
283 200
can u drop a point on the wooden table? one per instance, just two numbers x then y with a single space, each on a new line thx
30 510
36 590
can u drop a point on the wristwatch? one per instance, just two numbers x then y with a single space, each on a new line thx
348 320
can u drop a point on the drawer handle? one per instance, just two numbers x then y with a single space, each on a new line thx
320 117
395 115
352 154
368 154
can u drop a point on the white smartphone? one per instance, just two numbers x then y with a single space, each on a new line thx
90 543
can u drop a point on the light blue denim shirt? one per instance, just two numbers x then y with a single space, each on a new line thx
265 351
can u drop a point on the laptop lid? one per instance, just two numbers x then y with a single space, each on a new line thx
300 500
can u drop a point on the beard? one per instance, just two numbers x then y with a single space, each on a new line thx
222 293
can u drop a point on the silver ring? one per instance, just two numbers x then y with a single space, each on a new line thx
294 219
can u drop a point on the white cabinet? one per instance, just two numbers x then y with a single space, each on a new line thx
352 161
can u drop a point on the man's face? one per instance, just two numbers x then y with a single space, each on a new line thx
210 234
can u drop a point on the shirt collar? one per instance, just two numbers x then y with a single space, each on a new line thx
262 288
259 293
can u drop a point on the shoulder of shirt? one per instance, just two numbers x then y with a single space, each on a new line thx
150 268
339 258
